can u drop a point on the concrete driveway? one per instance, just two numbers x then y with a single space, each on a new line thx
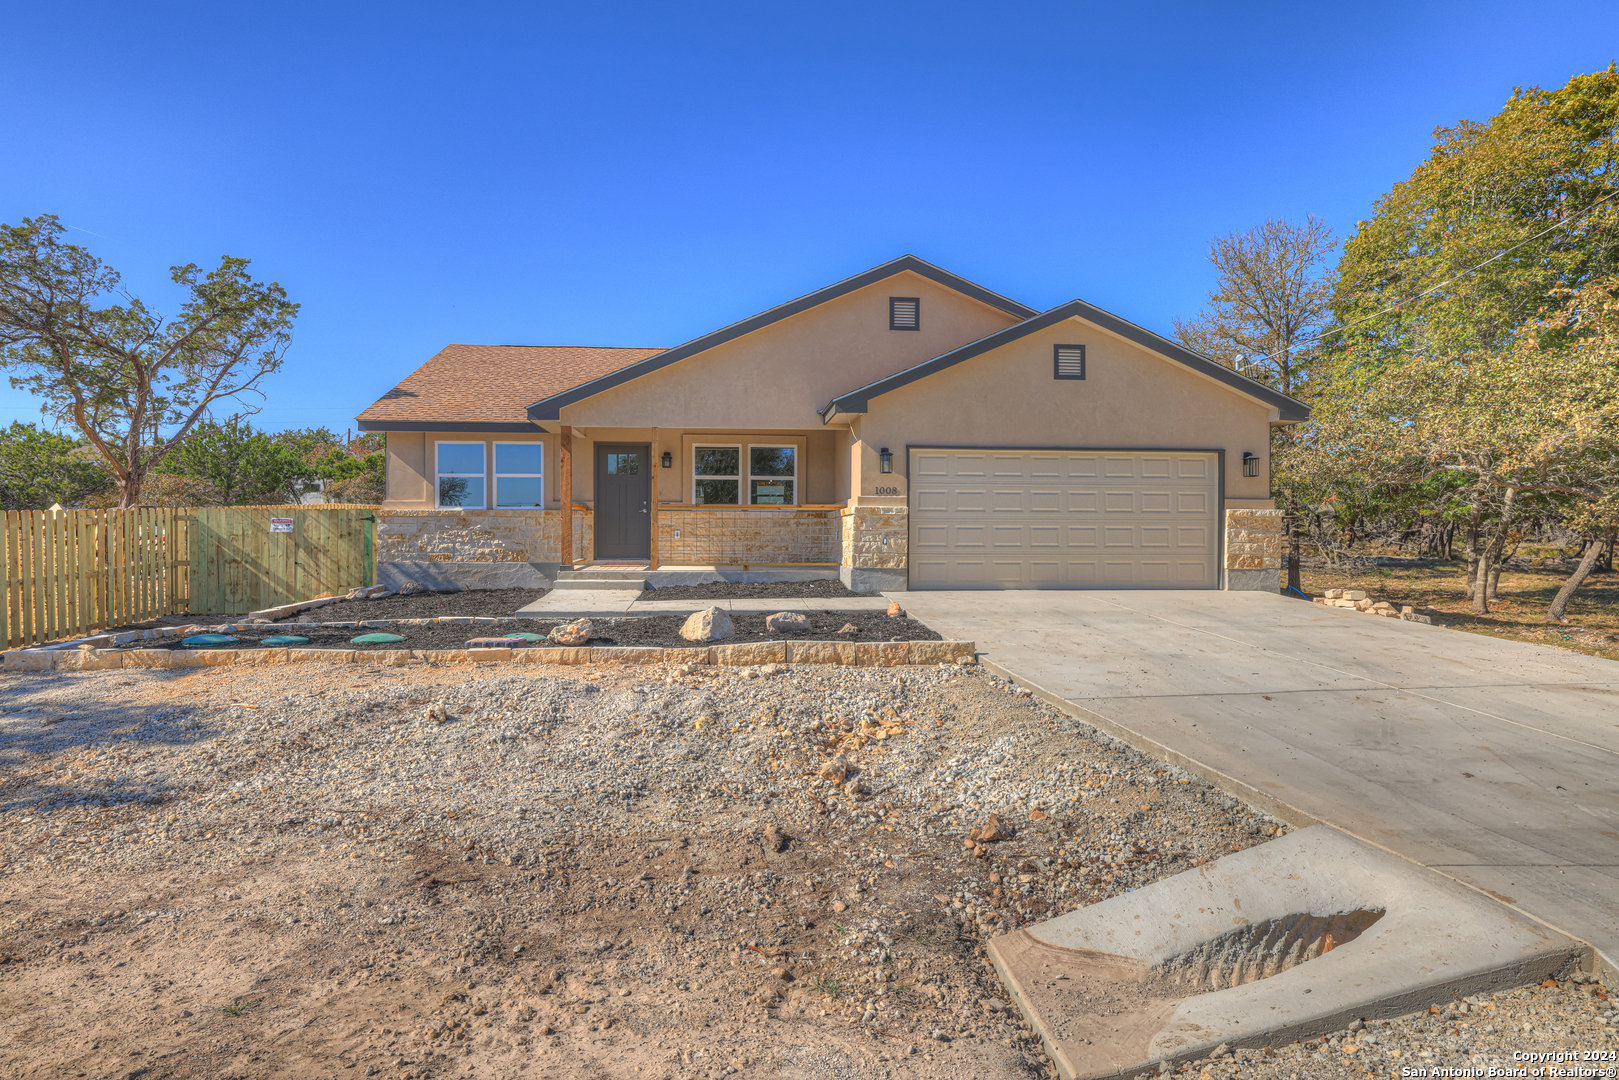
1494 762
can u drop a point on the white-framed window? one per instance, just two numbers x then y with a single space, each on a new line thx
772 474
519 475
716 474
461 474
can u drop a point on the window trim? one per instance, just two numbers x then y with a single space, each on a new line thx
438 474
494 490
1056 362
794 478
740 476
892 300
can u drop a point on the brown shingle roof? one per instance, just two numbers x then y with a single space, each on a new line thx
474 384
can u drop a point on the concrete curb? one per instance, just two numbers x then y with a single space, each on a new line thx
842 653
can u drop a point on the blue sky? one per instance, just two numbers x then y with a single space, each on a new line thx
639 174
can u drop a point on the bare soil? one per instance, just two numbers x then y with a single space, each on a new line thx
662 631
488 603
820 588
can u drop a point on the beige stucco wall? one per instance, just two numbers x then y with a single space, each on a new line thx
1130 397
779 376
406 476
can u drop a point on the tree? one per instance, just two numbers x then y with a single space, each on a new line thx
39 467
351 468
244 465
1536 185
122 373
1269 301
1272 296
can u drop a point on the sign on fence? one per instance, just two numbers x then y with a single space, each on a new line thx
283 525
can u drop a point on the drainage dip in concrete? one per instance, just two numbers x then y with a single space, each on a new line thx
1290 939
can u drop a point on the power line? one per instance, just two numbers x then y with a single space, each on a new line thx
1457 277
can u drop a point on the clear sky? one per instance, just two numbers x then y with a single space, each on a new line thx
639 174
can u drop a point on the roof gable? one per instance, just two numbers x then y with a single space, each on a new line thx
1289 409
550 408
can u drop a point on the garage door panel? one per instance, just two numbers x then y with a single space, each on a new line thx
1049 520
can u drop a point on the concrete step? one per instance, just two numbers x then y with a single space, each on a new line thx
602 574
595 584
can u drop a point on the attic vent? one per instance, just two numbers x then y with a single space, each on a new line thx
1069 361
904 313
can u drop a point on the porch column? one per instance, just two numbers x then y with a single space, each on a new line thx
652 561
565 478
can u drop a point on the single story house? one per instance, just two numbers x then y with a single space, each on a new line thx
903 428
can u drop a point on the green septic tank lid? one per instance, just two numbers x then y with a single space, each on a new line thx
528 637
376 639
207 641
285 639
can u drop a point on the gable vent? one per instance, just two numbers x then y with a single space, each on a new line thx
1069 361
904 313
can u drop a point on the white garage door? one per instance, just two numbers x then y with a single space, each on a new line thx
1063 519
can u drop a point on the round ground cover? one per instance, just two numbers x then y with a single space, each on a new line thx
820 588
657 630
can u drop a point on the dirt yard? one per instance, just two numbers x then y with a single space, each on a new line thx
1519 613
323 871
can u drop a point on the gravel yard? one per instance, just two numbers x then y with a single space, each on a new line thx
434 871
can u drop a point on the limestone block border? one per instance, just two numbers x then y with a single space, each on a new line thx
747 654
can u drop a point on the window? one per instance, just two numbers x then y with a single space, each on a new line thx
716 473
624 464
1068 361
772 474
519 474
461 474
904 313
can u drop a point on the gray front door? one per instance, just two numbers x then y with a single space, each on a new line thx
623 501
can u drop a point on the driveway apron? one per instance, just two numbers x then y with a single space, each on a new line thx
1495 762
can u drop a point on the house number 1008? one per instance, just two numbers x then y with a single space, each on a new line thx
888 491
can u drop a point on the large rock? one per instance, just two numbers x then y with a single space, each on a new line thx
710 624
788 622
574 633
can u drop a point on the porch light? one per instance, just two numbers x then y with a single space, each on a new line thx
1250 464
887 458
668 460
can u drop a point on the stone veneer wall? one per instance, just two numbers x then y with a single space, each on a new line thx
1255 545
752 536
876 548
479 536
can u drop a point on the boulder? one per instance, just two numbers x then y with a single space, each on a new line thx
574 633
895 611
788 622
1354 594
710 624
412 588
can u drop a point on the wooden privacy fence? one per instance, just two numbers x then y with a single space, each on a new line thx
68 572
247 558
72 572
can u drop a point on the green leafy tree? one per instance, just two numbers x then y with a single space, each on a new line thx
39 467
244 465
121 373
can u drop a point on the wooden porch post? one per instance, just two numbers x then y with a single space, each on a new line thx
652 510
565 478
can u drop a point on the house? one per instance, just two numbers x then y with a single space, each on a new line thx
903 428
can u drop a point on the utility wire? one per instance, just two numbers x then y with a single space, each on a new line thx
1457 277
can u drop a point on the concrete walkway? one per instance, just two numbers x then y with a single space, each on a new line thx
1494 762
585 603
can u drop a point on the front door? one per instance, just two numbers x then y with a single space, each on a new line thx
623 501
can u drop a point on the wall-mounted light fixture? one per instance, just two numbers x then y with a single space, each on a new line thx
668 460
886 457
1250 464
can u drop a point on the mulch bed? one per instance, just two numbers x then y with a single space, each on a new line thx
428 605
656 630
820 588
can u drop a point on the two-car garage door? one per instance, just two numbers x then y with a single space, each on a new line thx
1056 519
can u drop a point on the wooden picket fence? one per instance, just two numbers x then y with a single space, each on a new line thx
69 573
237 564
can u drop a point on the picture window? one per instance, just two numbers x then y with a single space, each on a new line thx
519 475
461 474
771 478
